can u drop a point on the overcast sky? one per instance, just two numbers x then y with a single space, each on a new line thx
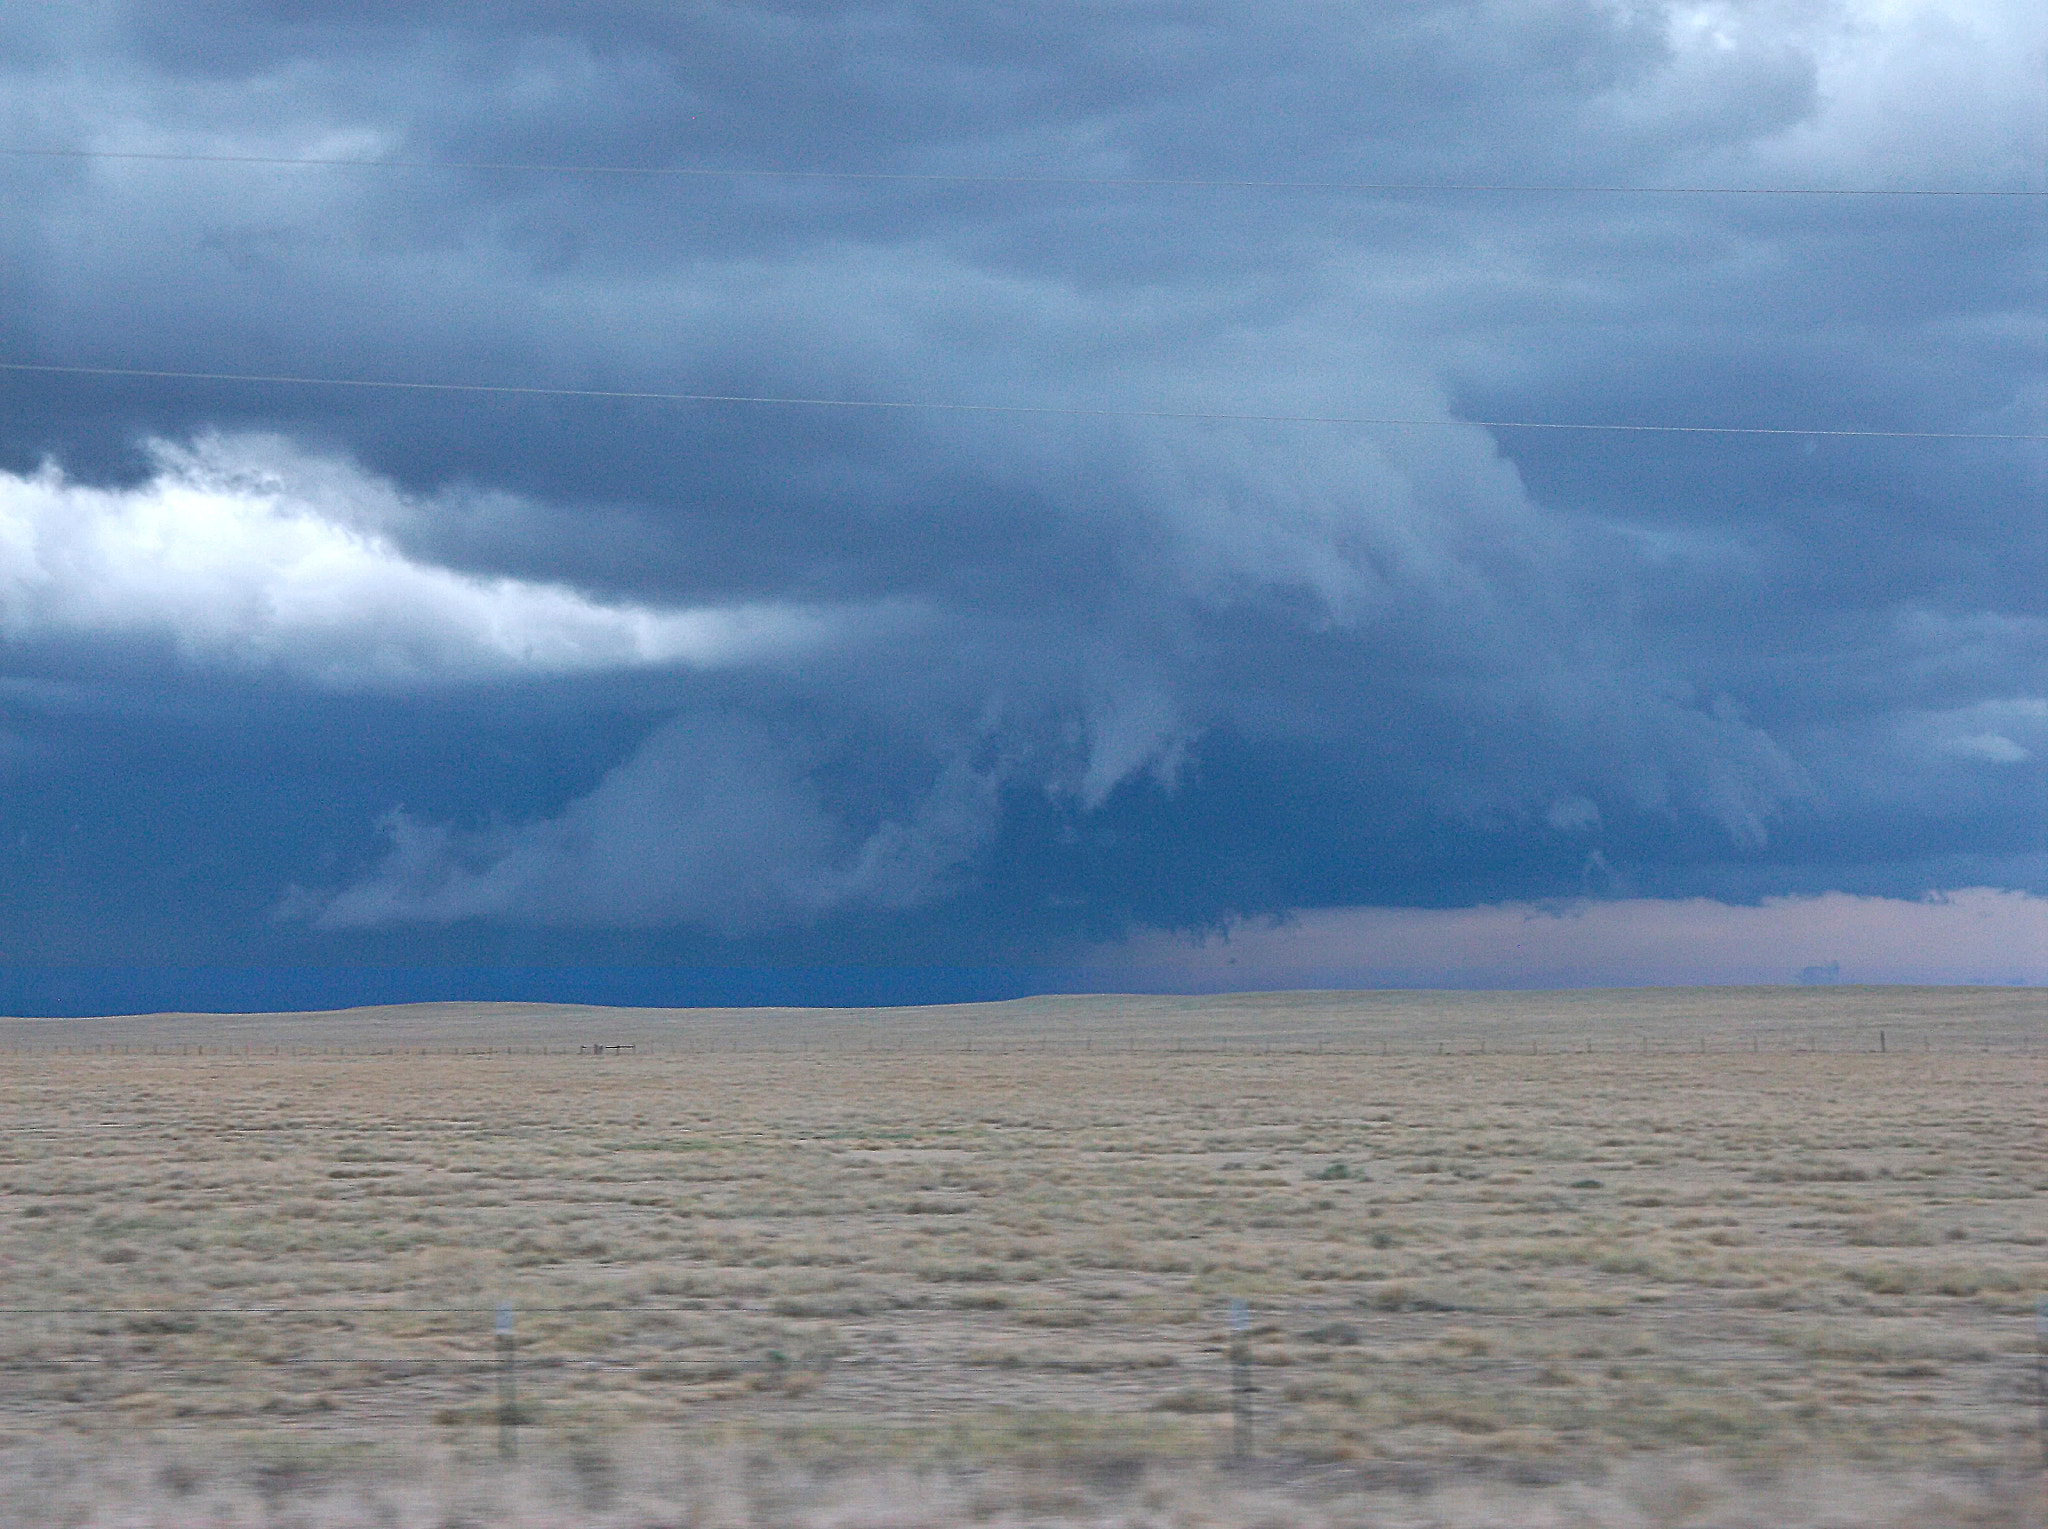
306 678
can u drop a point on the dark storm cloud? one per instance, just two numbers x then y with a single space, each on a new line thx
617 681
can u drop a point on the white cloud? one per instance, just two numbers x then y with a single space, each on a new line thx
236 562
1993 748
1929 92
1989 732
1572 814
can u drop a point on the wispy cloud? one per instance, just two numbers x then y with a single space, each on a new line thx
707 826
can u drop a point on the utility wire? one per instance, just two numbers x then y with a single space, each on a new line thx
962 178
1066 411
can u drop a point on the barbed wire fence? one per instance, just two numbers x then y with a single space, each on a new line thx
1212 1386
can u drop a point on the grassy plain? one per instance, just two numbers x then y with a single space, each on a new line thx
1653 1257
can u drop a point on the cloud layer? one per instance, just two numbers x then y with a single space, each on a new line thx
435 678
1974 935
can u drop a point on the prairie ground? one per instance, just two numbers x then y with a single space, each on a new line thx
1725 1256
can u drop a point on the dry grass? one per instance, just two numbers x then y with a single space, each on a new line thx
970 1251
636 1483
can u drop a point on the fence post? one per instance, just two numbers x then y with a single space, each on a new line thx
1240 1379
508 1399
2041 1374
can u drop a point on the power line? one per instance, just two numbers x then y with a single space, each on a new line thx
1164 182
1068 411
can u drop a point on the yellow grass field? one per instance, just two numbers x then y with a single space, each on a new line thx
1663 1257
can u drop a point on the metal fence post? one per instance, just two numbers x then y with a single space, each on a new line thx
508 1398
1240 1379
2041 1374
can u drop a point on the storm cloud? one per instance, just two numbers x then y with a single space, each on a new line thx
1116 638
